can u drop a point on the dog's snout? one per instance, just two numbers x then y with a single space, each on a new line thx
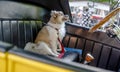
66 18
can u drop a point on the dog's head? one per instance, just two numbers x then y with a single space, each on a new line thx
57 17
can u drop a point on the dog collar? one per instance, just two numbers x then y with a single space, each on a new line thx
53 27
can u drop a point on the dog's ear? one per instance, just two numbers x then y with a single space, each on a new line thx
53 14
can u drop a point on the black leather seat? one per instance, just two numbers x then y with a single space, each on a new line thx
18 25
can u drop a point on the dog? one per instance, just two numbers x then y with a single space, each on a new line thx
46 41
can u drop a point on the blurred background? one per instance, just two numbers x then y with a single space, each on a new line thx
98 9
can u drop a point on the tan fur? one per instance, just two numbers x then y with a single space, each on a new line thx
43 35
46 41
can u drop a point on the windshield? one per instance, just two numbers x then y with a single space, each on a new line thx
88 13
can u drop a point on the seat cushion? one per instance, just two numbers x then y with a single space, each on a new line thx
72 54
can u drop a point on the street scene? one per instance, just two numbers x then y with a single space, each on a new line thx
89 13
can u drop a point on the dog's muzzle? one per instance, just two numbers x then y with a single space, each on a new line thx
66 18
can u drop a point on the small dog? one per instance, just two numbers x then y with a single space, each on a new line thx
46 41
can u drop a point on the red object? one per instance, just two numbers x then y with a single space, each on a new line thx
62 47
97 17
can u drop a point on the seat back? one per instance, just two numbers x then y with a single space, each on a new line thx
20 23
104 49
19 32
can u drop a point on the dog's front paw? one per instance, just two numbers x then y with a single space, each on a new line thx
55 52
55 55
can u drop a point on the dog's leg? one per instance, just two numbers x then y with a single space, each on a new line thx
53 40
59 46
54 47
44 49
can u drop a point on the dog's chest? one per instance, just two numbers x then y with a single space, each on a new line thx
53 34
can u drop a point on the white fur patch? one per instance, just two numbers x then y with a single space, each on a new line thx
41 48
